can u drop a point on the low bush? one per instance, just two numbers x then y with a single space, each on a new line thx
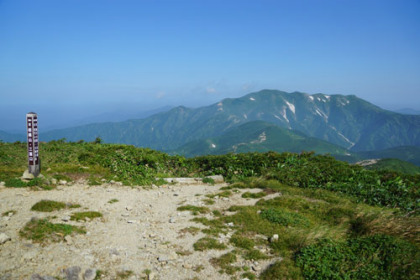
43 231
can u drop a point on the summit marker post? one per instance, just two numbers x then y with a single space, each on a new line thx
34 166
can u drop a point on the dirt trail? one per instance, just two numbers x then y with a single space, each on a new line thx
142 230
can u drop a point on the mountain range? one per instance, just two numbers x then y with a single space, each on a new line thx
337 124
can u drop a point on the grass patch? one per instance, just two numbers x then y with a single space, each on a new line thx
285 269
248 275
83 216
195 210
42 231
207 243
198 268
225 193
208 180
208 201
9 213
373 257
114 200
190 230
48 206
124 274
255 255
284 218
242 242
253 195
225 263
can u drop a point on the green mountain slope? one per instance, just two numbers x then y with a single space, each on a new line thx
405 153
392 164
346 121
259 136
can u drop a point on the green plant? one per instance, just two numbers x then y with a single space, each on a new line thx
242 242
225 262
124 274
190 230
48 206
253 195
114 200
208 180
83 216
284 217
42 231
194 209
7 213
207 243
249 276
373 257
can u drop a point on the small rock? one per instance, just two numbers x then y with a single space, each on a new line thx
256 268
131 221
27 176
62 182
231 224
114 252
54 181
187 266
72 273
175 194
225 198
65 218
274 238
2 184
172 220
68 239
4 238
112 182
129 208
89 274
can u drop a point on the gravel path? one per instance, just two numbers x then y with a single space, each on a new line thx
142 230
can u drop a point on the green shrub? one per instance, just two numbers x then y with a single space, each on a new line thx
83 216
48 206
225 262
284 217
242 242
374 257
253 195
207 243
42 231
194 209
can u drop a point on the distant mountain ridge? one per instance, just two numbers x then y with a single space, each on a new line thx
260 136
347 121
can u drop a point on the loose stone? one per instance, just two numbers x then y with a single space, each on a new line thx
4 238
89 274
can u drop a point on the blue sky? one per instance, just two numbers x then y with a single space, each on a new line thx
92 56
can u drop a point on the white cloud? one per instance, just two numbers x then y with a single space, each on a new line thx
211 90
160 94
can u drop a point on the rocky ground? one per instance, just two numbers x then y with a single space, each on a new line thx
141 233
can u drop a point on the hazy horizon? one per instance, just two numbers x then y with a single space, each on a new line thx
85 58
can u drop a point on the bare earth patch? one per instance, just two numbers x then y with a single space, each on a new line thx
140 231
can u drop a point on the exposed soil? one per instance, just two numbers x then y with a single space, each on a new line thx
142 230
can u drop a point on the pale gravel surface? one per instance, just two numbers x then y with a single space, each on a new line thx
135 232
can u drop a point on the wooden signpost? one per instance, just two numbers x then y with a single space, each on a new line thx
34 166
